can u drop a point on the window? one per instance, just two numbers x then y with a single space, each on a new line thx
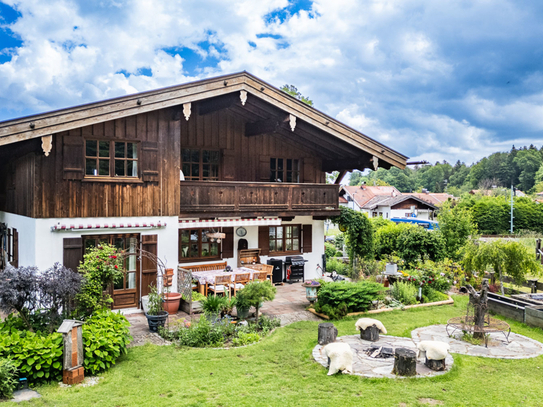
284 238
9 243
127 243
284 170
194 244
200 165
105 158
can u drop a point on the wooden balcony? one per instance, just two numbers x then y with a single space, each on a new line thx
219 198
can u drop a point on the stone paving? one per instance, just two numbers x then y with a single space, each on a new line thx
289 306
365 366
519 346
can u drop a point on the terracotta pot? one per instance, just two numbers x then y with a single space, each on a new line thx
171 302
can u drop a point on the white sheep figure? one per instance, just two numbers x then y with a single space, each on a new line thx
433 350
365 323
341 357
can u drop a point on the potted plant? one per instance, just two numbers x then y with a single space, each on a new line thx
156 316
256 292
242 305
212 307
171 300
311 288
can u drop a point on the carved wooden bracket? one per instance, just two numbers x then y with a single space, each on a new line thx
292 121
47 144
243 96
186 110
375 162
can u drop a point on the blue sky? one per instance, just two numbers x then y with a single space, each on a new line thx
435 80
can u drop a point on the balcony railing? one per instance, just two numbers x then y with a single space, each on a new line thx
219 198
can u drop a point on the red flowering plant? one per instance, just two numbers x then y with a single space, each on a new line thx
102 266
435 275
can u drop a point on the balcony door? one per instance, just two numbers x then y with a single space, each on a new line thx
125 292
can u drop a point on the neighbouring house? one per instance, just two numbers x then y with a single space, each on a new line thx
387 202
164 170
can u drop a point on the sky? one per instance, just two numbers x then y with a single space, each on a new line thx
434 80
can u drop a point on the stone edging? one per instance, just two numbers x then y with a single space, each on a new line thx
378 311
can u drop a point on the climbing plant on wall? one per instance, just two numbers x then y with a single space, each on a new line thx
358 232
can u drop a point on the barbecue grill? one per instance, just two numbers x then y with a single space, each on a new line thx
296 264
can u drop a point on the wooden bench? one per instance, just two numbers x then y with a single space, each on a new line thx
205 267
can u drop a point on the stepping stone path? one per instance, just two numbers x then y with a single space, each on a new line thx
520 347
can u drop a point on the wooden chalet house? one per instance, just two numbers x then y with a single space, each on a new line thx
159 170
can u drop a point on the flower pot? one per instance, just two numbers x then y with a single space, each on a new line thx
155 321
311 290
243 313
171 302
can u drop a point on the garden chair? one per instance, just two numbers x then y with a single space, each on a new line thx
240 280
221 285
260 276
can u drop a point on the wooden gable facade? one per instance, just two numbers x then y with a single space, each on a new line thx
137 171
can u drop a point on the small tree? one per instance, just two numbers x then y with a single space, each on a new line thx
102 266
256 292
456 226
506 257
358 232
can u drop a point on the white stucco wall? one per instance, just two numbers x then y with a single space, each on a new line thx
314 258
39 246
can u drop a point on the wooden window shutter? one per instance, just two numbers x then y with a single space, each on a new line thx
15 249
307 236
72 156
228 243
264 240
149 243
73 252
228 165
149 161
264 168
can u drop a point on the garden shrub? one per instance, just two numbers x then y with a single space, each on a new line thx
102 266
438 276
243 339
330 251
431 295
105 336
42 300
37 357
348 296
404 292
416 244
337 265
8 378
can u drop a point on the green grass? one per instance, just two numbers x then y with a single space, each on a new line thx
279 371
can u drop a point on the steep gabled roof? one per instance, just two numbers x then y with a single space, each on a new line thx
346 147
363 194
392 201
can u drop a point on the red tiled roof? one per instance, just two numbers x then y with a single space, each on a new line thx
363 194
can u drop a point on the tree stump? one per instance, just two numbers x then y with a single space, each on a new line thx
405 362
327 333
371 333
437 365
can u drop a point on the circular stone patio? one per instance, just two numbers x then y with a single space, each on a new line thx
365 366
519 346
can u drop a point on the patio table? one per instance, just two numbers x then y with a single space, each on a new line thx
208 277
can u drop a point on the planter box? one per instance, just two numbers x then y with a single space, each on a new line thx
534 315
508 307
196 307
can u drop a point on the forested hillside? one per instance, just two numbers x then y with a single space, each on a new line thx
521 167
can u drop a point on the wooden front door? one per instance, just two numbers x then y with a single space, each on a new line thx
125 292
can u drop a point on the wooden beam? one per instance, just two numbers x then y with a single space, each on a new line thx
266 126
347 164
209 106
340 177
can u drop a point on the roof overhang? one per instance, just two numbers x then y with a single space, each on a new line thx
364 149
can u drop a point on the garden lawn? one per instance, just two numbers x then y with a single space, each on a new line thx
279 371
